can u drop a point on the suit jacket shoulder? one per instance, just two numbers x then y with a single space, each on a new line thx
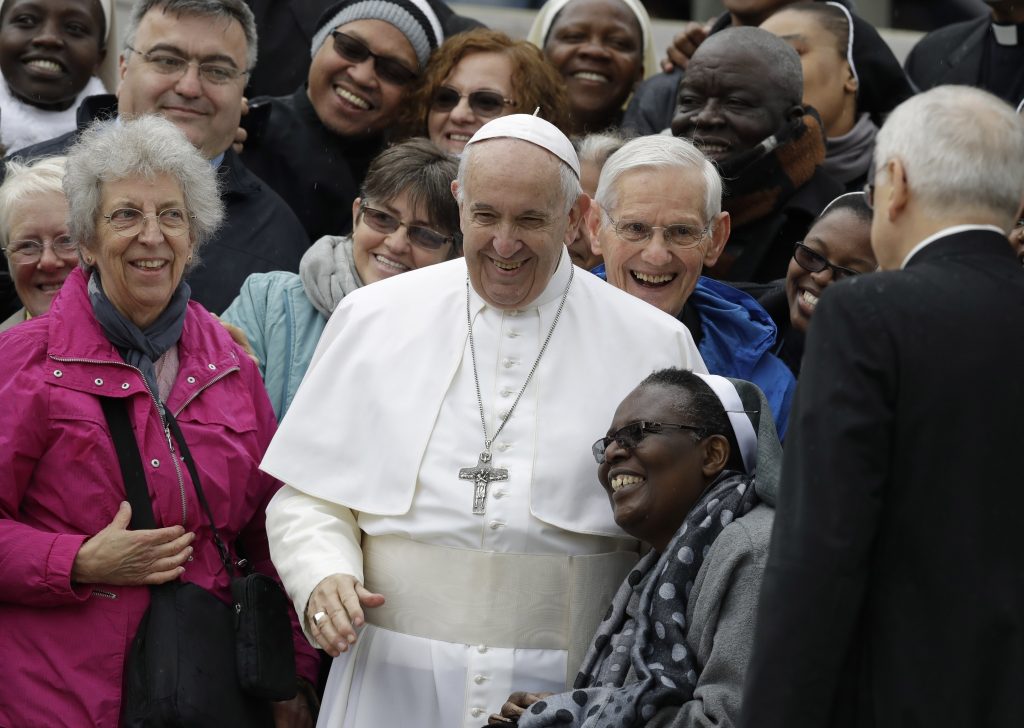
948 55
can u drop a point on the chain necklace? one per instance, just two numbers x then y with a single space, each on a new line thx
483 474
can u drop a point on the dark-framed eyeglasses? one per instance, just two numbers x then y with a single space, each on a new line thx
631 435
814 262
170 64
128 222
389 69
485 104
31 251
678 235
420 236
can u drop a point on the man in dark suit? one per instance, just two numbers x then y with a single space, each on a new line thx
987 52
894 591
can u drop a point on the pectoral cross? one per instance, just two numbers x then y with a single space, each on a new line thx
482 475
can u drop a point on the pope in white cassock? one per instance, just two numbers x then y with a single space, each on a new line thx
438 452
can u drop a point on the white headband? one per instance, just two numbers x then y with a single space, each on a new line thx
841 197
849 41
742 427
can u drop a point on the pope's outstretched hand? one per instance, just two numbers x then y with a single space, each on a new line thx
335 611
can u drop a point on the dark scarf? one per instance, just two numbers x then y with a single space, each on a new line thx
759 181
139 348
849 155
651 644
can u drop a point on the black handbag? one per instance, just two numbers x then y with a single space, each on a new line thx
195 661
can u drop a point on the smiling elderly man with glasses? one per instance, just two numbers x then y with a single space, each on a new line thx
659 222
315 145
188 61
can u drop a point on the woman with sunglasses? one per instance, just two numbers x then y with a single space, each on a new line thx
405 218
690 465
837 246
314 147
477 76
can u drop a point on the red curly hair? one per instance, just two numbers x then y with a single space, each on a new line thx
535 82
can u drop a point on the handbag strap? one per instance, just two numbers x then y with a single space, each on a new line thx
128 457
186 455
116 412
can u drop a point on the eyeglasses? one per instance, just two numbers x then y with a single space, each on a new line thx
813 262
128 221
678 236
353 49
422 237
168 64
485 104
634 433
31 251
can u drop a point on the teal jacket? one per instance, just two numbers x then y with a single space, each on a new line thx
283 327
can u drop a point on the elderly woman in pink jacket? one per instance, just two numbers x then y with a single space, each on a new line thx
74 578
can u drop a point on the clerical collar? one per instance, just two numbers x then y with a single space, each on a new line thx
551 293
1008 34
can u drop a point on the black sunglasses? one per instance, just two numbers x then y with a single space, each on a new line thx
813 262
422 237
485 104
634 433
389 69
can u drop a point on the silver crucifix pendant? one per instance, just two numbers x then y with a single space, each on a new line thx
482 475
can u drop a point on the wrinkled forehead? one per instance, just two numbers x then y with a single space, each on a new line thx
732 64
675 191
513 159
193 34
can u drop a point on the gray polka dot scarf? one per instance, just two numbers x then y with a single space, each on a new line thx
643 633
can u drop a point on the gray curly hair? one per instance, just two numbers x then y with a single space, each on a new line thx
146 146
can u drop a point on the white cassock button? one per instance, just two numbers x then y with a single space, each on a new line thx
482 649
513 312
476 712
499 493
191 380
155 463
98 382
508 363
506 393
503 446
513 334
503 414
479 679
495 525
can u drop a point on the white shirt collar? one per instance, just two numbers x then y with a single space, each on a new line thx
945 232
1005 34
